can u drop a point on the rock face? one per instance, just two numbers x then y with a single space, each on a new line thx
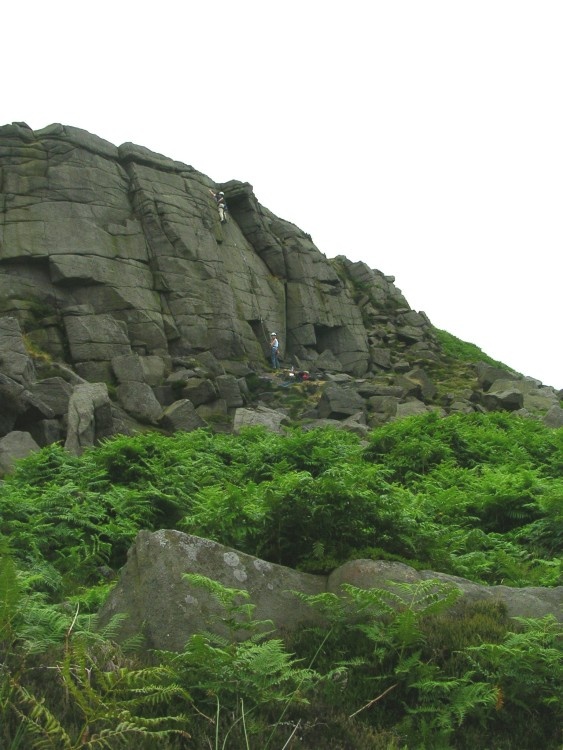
115 270
168 609
107 251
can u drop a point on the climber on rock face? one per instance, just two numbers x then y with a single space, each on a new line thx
221 204
274 346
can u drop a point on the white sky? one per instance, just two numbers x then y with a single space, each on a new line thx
424 137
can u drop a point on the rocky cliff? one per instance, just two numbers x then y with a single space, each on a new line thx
116 271
107 251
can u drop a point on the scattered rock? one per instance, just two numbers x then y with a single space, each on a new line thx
167 609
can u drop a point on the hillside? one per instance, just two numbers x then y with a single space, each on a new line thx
126 305
473 495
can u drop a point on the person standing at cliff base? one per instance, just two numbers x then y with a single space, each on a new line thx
221 204
274 346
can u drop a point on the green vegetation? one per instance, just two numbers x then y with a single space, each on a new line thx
477 495
463 350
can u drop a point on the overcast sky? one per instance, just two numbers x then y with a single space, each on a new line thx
423 137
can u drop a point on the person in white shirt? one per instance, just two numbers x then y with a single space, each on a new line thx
274 346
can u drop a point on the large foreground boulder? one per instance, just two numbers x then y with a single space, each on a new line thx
167 609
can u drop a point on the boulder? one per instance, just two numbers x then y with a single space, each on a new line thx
410 408
167 609
89 417
199 391
419 377
55 393
261 416
509 400
96 337
519 602
487 374
554 417
128 369
180 415
139 401
339 402
13 446
228 388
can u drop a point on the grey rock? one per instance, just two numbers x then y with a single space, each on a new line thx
96 337
487 374
216 415
46 431
139 401
412 407
420 377
261 416
381 357
228 388
383 405
89 417
14 446
199 391
15 362
155 368
167 609
128 369
55 393
519 602
509 400
339 402
554 417
181 415
113 257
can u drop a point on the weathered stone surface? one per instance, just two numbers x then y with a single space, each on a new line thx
181 415
215 413
89 417
128 369
134 236
339 402
15 362
539 400
487 374
13 446
55 393
383 405
199 391
269 418
46 431
327 361
167 609
356 424
96 337
138 400
155 369
228 388
420 379
410 408
523 602
554 417
380 357
509 400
